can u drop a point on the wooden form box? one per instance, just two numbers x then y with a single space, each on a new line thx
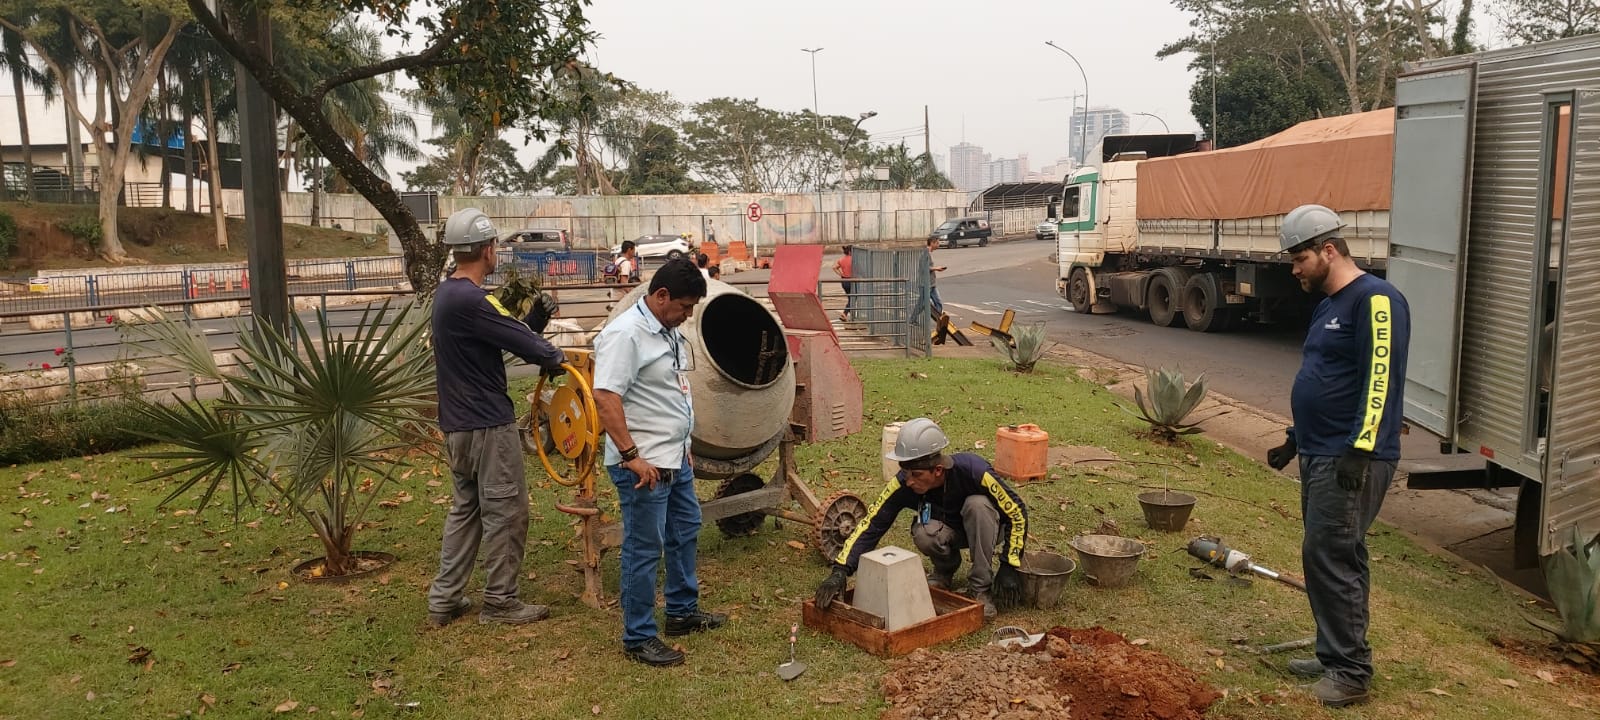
956 615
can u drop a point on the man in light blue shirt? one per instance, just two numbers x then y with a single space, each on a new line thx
641 389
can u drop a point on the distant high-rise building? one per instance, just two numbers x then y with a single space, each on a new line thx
966 166
1101 121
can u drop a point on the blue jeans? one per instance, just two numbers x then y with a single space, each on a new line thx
1335 556
664 521
935 302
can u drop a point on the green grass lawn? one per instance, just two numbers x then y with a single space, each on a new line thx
113 607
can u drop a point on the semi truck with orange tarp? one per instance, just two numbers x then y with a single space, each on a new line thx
1192 238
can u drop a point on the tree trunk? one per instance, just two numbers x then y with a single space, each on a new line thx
75 166
22 130
214 177
316 191
188 158
164 125
289 147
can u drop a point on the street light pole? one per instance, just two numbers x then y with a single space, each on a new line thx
817 178
1164 127
856 128
1083 127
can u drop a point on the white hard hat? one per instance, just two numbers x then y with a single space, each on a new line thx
1308 223
468 227
918 439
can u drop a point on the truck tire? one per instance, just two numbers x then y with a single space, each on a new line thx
1164 299
1078 291
1200 307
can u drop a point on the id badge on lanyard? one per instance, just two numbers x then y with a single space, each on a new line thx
679 367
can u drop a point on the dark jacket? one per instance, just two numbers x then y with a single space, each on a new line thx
967 475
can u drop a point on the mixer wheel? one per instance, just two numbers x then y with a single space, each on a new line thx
837 517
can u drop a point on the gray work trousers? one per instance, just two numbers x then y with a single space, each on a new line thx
490 507
979 532
1335 556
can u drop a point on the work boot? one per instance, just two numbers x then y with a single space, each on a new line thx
655 653
982 597
514 613
941 580
1333 693
1309 668
696 621
441 619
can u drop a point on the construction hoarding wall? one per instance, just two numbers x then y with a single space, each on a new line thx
603 221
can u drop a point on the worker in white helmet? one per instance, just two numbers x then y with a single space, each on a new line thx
959 502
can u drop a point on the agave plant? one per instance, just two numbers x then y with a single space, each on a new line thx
307 426
1026 346
1166 402
1573 576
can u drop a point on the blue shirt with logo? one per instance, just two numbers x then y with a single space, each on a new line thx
470 330
1349 391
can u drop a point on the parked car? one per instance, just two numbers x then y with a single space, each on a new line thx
955 231
649 246
1046 230
533 240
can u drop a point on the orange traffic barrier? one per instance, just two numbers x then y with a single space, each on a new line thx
194 287
738 251
711 250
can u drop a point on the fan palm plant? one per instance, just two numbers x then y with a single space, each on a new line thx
306 428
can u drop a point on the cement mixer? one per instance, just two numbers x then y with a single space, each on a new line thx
743 385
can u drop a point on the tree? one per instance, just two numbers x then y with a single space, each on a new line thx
14 61
123 42
498 56
737 145
1531 21
906 172
492 170
1367 40
1254 100
657 166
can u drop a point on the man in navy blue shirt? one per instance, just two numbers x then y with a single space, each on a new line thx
1347 413
490 490
958 501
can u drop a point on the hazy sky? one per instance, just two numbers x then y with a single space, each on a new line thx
980 67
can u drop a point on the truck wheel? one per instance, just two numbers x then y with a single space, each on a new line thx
1078 291
1200 311
1162 298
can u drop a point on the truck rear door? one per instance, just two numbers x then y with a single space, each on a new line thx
1572 449
1428 233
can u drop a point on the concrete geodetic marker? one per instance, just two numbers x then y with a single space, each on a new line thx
890 584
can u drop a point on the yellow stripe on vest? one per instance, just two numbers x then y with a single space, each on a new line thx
495 302
1019 520
1377 374
861 525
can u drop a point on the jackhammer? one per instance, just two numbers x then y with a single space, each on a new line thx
1210 550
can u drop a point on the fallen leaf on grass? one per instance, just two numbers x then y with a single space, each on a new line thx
286 706
563 653
1136 642
1437 691
1508 682
208 700
1221 665
231 668
595 709
1214 652
1545 676
138 655
382 685
434 483
796 544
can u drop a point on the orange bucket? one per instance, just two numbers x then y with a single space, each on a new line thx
1021 452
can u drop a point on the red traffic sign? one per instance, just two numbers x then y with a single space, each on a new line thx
752 212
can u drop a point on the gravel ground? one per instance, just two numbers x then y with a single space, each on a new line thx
1079 673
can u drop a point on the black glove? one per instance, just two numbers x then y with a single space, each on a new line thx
544 308
1278 458
553 372
831 588
1007 588
1352 468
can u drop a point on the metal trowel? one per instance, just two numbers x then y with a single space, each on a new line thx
792 669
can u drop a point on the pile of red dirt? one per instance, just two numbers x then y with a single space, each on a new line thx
1078 673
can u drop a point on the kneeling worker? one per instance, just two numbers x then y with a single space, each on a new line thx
959 502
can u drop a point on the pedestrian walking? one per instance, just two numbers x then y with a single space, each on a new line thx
1347 403
845 269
